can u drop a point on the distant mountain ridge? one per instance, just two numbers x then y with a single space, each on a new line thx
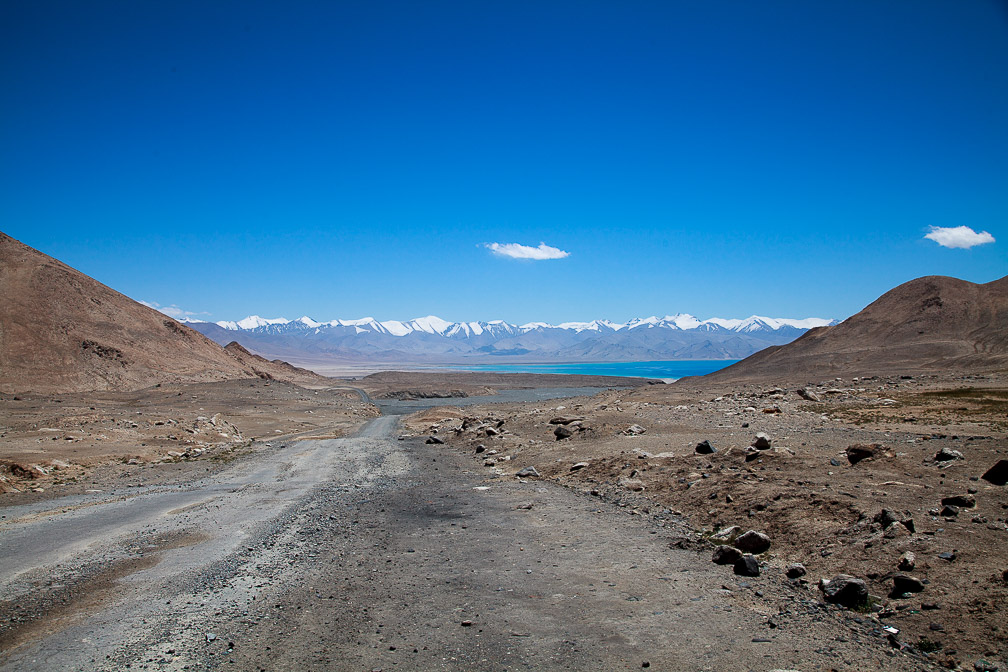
432 339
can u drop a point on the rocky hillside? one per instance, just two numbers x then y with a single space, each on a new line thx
931 324
62 331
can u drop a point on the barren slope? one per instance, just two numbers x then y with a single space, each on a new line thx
62 331
931 324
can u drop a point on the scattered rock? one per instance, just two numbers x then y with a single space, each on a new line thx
861 451
747 565
887 517
998 474
962 501
704 448
947 454
726 533
845 590
907 562
761 442
725 555
795 571
807 394
634 430
985 666
753 542
528 472
434 440
903 583
896 530
563 432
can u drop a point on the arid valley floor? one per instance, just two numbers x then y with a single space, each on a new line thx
261 525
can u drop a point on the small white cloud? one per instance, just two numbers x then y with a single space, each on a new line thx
962 237
172 310
517 251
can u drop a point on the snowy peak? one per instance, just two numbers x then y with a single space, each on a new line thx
251 322
436 326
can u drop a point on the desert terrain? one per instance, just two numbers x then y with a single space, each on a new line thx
880 478
329 537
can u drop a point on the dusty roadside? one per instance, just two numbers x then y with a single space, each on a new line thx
65 444
638 450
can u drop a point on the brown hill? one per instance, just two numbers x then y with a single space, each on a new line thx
62 331
931 324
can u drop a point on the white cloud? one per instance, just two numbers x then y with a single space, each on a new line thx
172 310
962 237
517 251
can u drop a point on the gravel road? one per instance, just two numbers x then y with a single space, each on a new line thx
375 553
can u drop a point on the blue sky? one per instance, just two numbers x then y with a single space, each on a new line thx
347 159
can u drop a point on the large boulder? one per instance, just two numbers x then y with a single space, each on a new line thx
861 451
753 542
704 448
725 555
845 590
747 565
998 474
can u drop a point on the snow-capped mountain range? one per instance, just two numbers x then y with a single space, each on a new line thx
431 339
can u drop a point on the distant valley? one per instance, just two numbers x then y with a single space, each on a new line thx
433 340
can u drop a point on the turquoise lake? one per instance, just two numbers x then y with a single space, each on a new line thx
667 370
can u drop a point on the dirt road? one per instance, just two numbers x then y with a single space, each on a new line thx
376 553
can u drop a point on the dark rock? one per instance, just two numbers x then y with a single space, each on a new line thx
704 448
752 454
434 440
950 511
998 474
578 465
985 666
761 442
528 472
861 451
947 454
846 591
747 565
725 555
563 432
807 394
480 448
962 501
490 431
795 571
563 421
753 542
835 462
907 562
947 555
903 583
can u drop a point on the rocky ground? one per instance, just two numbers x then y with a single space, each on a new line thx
575 533
54 445
880 479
